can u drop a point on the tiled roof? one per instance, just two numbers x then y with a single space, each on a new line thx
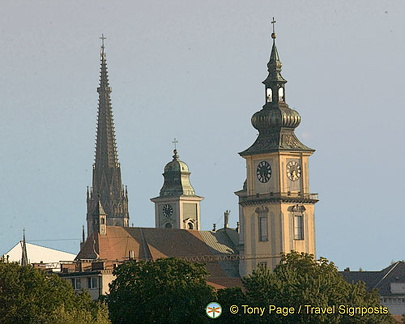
155 243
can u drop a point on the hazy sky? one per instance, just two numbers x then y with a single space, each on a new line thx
193 70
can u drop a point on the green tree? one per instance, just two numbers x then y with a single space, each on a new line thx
302 288
162 291
29 295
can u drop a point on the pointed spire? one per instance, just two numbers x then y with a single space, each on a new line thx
107 184
106 149
24 256
276 121
274 80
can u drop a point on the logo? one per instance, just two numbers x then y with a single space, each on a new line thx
213 310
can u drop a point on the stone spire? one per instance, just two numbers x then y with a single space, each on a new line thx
24 254
107 185
276 121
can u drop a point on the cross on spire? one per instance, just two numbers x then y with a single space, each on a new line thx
175 143
273 22
102 40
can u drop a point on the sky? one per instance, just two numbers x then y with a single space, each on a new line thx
192 70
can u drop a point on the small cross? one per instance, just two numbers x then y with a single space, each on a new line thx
102 40
273 22
175 142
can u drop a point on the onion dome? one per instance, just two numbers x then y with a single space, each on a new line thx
271 120
276 121
177 179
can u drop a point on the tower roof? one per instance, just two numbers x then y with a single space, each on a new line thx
276 121
106 149
99 210
176 165
177 179
274 65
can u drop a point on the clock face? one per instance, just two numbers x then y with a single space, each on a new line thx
263 171
167 210
293 170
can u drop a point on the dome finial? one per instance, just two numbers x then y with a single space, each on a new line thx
273 34
175 143
175 156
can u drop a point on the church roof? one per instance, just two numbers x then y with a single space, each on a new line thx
154 243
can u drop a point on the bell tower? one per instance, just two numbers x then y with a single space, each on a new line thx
107 190
177 206
276 207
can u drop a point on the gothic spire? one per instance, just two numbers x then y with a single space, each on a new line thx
106 149
24 254
107 186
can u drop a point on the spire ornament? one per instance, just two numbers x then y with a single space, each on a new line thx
273 34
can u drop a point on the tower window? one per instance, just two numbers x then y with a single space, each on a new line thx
190 226
298 227
263 228
168 225
280 94
269 95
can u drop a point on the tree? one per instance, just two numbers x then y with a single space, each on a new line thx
162 291
29 295
302 289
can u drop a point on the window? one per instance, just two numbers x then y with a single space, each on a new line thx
77 283
298 227
190 226
262 265
280 94
168 225
92 283
269 95
263 228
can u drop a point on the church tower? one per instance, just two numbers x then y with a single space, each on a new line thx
177 205
276 206
107 190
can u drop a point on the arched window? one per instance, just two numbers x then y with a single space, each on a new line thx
168 225
190 226
269 95
280 94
